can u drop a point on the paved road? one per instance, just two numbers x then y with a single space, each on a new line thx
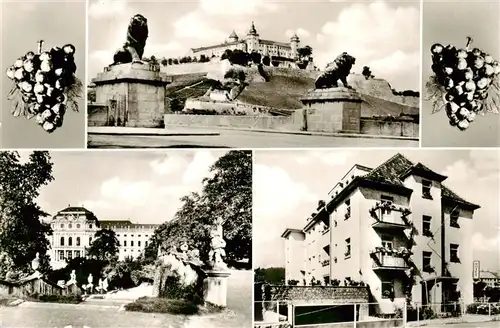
490 324
105 313
241 139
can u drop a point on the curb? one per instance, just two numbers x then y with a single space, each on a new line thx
306 133
153 134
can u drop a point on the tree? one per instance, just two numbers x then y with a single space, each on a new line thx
367 73
164 61
228 53
175 61
256 57
170 61
304 53
479 289
266 60
273 276
226 194
104 246
22 233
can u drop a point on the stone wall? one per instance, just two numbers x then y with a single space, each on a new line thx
29 287
220 107
389 128
311 294
359 324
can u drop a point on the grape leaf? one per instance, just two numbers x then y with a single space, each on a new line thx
19 107
434 93
74 94
492 103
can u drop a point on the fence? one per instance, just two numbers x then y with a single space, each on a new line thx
305 314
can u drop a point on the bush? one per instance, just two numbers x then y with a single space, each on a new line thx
162 305
266 60
275 63
68 299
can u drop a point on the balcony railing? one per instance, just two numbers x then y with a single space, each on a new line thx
325 263
388 215
394 260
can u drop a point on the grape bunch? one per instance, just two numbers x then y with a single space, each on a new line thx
466 76
43 80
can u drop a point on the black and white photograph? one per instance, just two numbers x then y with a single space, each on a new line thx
376 238
43 74
140 239
461 74
253 74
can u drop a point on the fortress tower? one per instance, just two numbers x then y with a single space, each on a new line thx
294 45
233 37
252 39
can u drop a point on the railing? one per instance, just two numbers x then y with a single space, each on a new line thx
389 261
322 313
325 263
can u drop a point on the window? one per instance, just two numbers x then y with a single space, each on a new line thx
70 226
70 241
90 240
131 243
426 226
389 200
77 241
348 209
146 243
426 189
118 235
387 242
125 243
131 235
69 255
124 235
139 243
78 226
426 263
454 219
62 241
62 226
348 248
146 236
61 255
90 226
454 253
387 289
139 236
77 254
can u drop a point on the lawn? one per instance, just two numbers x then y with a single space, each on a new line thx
170 306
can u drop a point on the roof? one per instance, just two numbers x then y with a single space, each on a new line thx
78 209
448 194
252 30
422 170
217 46
110 224
488 275
288 231
295 37
269 42
233 35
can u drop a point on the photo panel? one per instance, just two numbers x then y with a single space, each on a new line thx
43 79
264 74
461 74
147 239
359 237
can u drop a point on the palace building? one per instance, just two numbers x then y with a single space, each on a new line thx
252 43
75 227
397 228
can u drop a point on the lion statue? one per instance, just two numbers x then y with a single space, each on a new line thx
133 49
339 69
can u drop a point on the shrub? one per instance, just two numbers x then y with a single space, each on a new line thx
68 299
266 60
275 63
293 282
162 305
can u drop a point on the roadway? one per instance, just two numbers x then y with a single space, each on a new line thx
222 138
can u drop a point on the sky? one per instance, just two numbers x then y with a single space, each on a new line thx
384 35
24 23
288 185
480 20
143 186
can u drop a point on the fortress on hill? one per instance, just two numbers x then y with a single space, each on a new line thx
252 43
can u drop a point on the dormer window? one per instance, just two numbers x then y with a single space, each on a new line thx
426 189
454 219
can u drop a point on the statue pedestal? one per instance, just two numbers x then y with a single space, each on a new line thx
215 287
334 110
134 94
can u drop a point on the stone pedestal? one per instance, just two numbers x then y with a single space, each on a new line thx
333 110
215 287
134 94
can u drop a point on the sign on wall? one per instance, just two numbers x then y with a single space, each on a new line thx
475 270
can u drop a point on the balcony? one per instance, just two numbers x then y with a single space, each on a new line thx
325 263
390 216
389 260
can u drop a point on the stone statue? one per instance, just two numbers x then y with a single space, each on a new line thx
217 252
100 285
339 69
72 278
133 49
105 284
35 265
90 284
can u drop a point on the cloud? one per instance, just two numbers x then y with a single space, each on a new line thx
128 193
379 35
237 7
100 9
482 243
337 157
168 165
198 168
302 33
195 26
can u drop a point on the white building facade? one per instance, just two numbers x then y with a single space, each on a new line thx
396 228
74 229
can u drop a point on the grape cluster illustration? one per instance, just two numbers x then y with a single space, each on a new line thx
41 85
467 76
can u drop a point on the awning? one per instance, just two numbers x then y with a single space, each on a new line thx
439 279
